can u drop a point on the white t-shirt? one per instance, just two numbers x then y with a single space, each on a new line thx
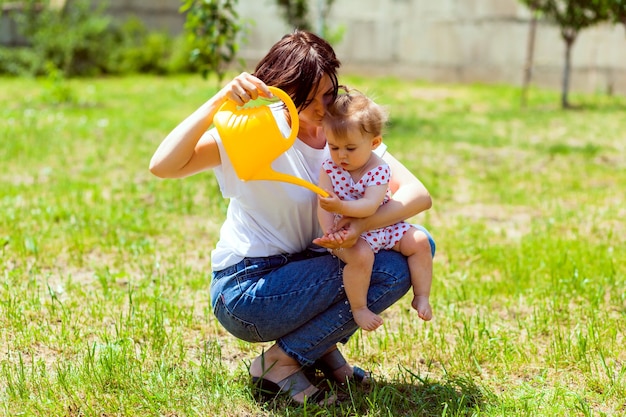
267 218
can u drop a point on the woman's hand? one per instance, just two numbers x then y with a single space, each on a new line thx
245 87
332 240
352 228
344 234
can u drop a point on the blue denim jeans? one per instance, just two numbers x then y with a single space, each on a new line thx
299 300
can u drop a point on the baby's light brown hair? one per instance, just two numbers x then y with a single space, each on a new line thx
354 111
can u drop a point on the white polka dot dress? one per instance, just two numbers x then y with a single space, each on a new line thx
347 189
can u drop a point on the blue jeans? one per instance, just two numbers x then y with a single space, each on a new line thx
299 300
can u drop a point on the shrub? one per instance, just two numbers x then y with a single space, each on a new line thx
84 41
17 61
142 51
74 39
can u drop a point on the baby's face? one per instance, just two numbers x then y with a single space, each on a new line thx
352 151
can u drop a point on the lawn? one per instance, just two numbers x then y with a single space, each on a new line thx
104 307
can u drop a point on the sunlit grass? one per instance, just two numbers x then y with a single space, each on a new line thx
104 305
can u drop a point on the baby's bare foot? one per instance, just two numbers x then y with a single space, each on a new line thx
422 305
366 319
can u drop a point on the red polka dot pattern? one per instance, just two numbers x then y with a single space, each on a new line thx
347 189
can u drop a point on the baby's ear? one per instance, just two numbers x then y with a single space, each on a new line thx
377 141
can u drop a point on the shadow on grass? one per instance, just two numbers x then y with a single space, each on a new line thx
412 396
455 396
602 105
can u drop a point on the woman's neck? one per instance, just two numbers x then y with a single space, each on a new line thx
312 136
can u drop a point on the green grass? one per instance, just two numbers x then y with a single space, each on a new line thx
104 303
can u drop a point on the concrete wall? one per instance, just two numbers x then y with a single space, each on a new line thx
436 40
157 14
454 41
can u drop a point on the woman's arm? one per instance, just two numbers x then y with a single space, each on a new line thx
410 197
187 149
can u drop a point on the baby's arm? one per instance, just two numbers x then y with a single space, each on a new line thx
325 217
363 207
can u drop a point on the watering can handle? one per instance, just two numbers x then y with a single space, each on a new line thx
251 169
295 125
293 112
285 98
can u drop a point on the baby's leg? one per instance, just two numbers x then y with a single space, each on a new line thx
415 246
356 279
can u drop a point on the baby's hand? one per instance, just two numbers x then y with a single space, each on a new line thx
332 203
331 240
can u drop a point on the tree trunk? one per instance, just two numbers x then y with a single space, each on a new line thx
530 52
566 72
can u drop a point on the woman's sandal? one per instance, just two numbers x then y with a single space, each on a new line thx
334 360
291 385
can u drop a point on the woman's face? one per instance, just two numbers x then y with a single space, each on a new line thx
312 115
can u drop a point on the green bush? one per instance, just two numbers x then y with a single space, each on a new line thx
83 41
180 59
74 39
139 50
17 60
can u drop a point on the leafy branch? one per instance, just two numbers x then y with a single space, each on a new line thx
213 28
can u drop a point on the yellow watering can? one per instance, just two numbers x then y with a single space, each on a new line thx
253 140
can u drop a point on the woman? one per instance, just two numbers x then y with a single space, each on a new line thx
270 280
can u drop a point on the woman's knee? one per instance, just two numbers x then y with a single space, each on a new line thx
391 279
390 267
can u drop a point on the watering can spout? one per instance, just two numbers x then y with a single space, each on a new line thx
279 176
253 140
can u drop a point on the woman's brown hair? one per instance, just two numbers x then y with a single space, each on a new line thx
297 63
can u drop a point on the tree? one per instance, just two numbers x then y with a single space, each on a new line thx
617 11
571 16
530 53
296 14
213 27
